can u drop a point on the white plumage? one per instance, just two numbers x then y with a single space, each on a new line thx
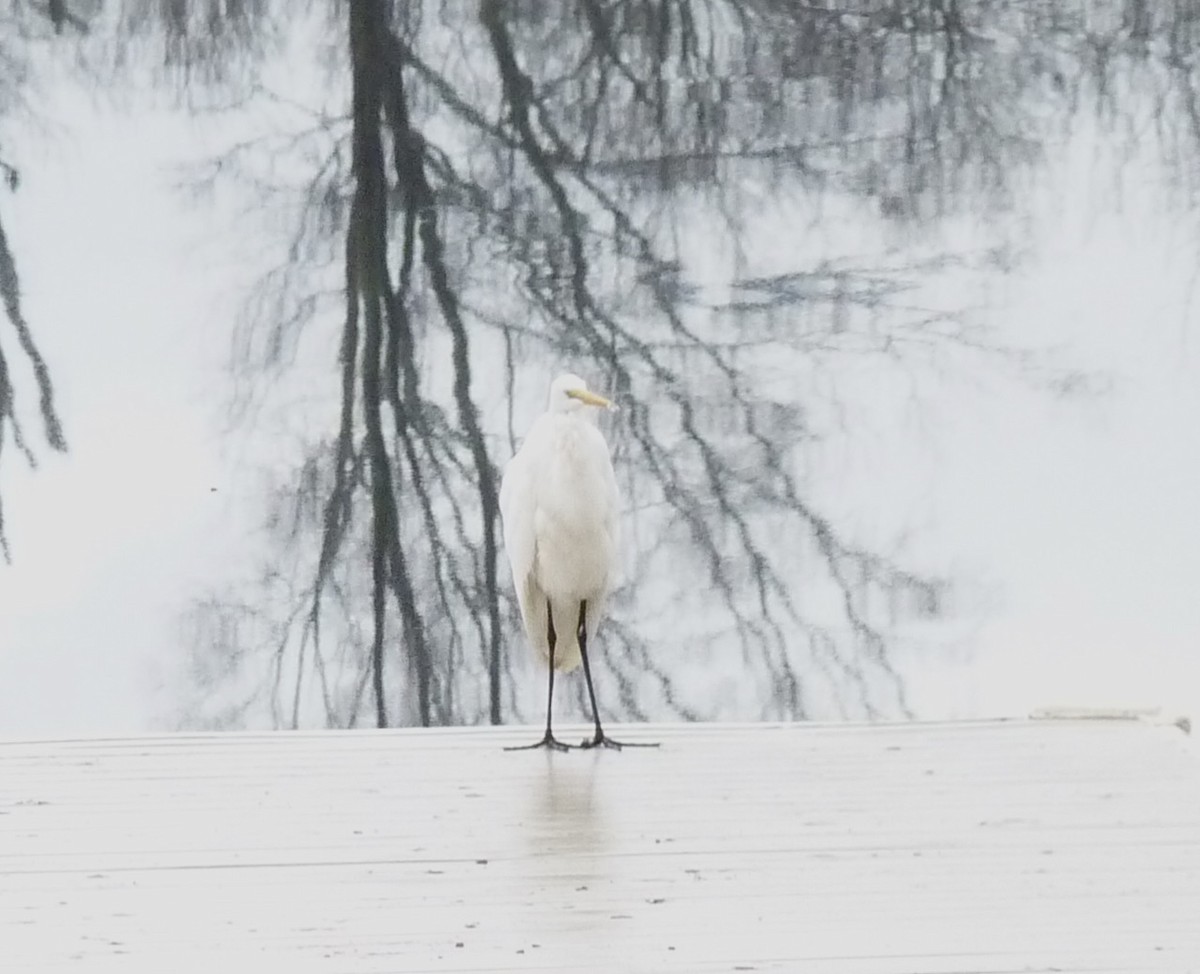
559 503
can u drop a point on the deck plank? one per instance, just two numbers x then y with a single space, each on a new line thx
1069 845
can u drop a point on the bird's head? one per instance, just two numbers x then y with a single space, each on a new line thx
569 393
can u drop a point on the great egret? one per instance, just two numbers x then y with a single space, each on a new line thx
559 504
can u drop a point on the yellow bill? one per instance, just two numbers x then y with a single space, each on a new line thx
591 398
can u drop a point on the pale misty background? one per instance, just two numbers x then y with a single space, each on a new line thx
1054 489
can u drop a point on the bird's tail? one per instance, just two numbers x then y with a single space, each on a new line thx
534 610
566 646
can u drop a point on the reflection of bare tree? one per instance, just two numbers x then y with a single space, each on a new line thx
520 180
19 28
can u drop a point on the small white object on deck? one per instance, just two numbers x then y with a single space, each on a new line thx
1064 845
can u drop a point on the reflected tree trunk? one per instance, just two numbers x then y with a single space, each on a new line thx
387 353
19 28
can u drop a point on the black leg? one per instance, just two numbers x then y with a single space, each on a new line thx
549 740
599 739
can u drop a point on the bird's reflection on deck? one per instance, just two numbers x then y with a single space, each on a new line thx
568 842
568 807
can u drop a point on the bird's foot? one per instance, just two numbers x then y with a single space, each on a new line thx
549 740
600 739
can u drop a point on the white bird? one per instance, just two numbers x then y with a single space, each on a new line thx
559 504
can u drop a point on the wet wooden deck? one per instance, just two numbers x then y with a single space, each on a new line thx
970 847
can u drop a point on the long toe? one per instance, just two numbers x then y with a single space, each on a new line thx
603 740
549 741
